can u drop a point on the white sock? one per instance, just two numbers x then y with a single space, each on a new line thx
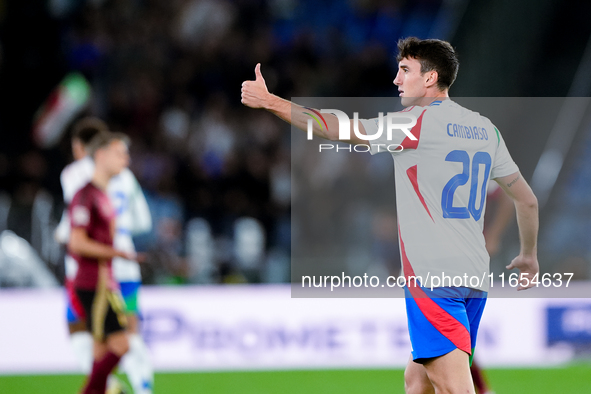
137 365
112 381
82 345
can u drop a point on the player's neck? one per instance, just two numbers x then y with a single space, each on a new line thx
101 179
434 95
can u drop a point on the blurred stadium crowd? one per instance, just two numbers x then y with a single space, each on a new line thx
216 175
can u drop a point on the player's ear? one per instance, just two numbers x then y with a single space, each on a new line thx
431 78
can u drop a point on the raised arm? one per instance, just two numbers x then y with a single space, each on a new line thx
256 95
526 208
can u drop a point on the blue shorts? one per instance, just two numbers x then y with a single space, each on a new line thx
71 315
129 291
444 319
74 309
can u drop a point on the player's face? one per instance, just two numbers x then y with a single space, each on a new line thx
116 157
411 83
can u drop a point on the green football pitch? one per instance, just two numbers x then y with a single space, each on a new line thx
573 380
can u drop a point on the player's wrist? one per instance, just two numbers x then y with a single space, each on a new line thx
126 255
529 256
529 252
271 102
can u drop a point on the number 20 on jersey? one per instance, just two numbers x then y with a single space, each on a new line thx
470 173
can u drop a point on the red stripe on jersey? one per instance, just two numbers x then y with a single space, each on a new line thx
407 143
412 175
445 323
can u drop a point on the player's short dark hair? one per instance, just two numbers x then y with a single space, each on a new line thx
103 139
433 54
86 128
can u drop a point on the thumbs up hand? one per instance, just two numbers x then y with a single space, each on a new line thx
257 73
255 93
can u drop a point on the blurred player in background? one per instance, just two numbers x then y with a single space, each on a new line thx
92 219
133 217
440 225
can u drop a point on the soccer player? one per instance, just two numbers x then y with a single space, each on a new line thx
92 219
133 217
73 178
441 179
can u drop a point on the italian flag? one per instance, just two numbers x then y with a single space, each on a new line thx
63 104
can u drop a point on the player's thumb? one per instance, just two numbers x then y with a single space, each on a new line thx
257 73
